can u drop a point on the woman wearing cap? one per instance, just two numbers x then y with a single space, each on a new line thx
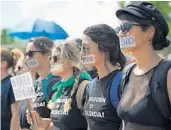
65 115
37 52
101 50
143 30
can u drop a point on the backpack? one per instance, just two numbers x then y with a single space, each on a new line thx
158 87
113 88
80 95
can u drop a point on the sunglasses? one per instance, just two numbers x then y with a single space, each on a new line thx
30 54
54 58
125 28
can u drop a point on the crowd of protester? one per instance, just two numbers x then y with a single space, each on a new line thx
110 79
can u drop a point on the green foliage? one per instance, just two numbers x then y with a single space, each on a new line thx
5 39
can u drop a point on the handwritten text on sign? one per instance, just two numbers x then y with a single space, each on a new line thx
23 86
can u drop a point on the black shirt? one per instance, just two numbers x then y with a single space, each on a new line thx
98 109
73 120
8 98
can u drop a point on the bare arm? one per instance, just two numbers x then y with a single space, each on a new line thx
169 84
51 127
45 122
15 116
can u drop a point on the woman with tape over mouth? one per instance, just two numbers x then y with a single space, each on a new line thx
65 112
101 50
37 52
145 87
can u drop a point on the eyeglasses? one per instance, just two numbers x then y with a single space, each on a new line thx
126 27
31 53
54 58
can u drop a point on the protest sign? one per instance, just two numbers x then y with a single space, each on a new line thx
23 86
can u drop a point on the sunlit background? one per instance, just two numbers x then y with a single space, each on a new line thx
72 16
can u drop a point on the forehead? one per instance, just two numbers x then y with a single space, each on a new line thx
86 40
31 46
55 52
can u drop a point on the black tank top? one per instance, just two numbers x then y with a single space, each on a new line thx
73 120
98 109
137 107
39 103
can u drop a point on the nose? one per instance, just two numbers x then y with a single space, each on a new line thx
27 57
121 34
51 62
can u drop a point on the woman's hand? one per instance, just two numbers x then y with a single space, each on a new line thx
34 119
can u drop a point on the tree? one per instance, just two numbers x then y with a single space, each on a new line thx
5 39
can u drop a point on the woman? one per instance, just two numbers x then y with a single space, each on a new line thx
146 27
20 68
101 50
37 52
9 108
65 114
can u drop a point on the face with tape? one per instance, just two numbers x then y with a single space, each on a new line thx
132 36
90 54
35 58
57 65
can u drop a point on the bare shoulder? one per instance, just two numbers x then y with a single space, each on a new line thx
169 84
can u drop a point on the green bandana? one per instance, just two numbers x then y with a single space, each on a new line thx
61 85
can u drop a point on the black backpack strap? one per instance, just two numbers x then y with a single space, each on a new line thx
81 92
158 86
125 78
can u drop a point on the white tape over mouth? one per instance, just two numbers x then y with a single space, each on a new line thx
57 68
127 42
88 59
32 63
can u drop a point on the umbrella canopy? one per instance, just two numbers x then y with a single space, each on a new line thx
38 27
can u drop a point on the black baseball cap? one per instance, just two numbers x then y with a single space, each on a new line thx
146 11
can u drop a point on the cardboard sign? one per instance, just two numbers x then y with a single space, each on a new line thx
126 42
88 59
23 86
32 63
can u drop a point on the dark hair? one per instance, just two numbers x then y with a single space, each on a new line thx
108 43
42 43
159 41
8 57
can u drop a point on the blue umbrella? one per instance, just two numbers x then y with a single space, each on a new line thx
38 27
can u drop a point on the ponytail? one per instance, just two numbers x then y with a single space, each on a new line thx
68 103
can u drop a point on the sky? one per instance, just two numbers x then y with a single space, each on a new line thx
73 16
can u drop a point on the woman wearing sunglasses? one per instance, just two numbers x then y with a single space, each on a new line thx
101 50
65 115
143 31
37 52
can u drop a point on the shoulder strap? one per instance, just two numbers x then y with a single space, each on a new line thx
114 89
80 93
158 86
125 78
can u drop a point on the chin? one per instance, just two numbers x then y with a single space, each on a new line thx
89 66
127 50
